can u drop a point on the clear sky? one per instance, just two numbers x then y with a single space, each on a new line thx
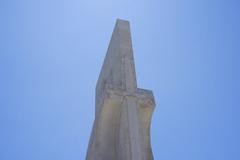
186 51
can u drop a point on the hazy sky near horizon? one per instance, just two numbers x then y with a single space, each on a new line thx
186 51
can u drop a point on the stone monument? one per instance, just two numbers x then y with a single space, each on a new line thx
123 112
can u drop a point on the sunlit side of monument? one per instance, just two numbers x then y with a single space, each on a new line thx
121 129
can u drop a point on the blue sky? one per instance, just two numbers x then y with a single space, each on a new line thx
186 51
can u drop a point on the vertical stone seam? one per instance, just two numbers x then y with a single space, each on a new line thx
117 135
129 135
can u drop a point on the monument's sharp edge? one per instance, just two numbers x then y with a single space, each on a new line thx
118 67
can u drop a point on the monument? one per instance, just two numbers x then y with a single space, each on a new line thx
123 112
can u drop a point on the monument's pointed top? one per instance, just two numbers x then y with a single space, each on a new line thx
120 23
122 20
118 68
123 35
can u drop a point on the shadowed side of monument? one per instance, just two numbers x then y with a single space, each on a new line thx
123 113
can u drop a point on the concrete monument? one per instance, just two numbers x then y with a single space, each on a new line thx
121 129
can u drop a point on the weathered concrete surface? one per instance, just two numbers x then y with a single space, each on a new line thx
121 128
